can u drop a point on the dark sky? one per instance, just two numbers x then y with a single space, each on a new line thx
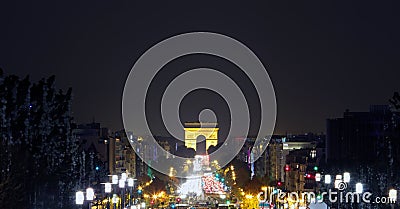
322 56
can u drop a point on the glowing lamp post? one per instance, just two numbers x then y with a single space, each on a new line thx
131 182
393 195
107 187
107 190
114 179
121 185
337 183
89 194
346 177
124 176
338 179
317 177
327 179
115 200
359 188
79 198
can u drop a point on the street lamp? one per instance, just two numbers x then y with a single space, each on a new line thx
107 187
79 198
121 183
114 179
124 176
317 177
337 183
130 182
327 179
130 185
89 194
107 190
115 200
359 188
346 177
122 187
393 195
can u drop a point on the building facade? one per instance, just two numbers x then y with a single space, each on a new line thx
360 137
300 169
124 154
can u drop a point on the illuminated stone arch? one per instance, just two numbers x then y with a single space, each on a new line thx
195 129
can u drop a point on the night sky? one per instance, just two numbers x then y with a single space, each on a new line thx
322 56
